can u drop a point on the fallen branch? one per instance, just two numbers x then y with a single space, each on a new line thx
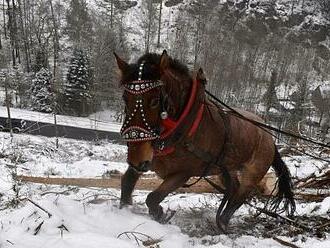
278 216
323 225
8 241
310 196
149 242
35 204
57 192
313 181
285 243
37 230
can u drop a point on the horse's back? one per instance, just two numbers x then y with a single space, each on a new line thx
250 141
249 115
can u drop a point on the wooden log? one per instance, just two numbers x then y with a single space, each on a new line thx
148 184
265 187
314 181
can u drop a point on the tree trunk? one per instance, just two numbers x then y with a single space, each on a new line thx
23 31
149 26
56 51
8 107
4 19
159 22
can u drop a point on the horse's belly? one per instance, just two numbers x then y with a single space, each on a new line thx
187 163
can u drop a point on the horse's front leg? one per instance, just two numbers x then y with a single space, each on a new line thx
169 184
128 182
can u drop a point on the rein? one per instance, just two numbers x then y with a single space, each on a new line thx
262 125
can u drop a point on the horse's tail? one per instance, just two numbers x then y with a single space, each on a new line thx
285 186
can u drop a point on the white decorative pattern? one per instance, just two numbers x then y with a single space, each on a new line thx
133 133
141 86
136 133
141 71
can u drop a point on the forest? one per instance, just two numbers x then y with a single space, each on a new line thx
61 52
270 57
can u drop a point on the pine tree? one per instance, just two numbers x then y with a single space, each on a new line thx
41 92
79 23
77 89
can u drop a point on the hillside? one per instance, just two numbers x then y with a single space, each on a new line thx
271 57
90 217
239 44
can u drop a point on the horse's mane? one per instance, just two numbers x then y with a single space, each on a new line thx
175 64
178 73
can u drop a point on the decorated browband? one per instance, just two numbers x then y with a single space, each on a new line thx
141 86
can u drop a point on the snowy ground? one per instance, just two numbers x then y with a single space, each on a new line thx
96 121
92 216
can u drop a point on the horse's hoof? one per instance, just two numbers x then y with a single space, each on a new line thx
222 226
167 217
124 204
157 214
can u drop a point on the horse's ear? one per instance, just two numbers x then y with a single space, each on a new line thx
120 62
200 76
164 61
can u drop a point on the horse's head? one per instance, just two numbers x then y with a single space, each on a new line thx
147 104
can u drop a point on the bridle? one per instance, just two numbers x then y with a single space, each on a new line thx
169 131
144 132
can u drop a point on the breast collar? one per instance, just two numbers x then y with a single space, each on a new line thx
173 130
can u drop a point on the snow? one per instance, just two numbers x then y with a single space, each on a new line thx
81 122
89 225
92 216
325 90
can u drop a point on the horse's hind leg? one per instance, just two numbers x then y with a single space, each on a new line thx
169 184
231 184
250 176
232 188
236 199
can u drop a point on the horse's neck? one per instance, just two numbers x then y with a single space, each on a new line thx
179 93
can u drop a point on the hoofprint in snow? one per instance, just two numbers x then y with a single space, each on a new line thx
90 217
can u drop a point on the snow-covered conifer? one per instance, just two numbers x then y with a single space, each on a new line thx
77 88
42 95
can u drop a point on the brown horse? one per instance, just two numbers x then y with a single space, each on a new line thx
173 129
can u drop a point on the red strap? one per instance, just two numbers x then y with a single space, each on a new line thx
191 132
196 121
175 124
168 124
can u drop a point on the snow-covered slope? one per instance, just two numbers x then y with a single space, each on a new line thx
97 121
92 216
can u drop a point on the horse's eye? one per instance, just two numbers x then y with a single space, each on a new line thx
154 103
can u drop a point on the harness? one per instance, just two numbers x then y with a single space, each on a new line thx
173 132
211 160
